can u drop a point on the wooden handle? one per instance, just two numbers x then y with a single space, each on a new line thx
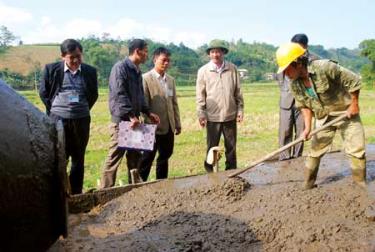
285 147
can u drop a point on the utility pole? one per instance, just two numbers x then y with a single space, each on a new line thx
35 82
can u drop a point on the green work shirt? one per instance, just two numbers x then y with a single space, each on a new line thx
332 84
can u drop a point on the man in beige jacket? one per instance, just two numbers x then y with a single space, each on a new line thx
160 95
219 102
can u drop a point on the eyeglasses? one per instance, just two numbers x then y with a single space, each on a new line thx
73 56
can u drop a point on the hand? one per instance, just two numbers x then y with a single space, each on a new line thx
154 118
240 117
202 122
353 110
178 131
305 134
134 122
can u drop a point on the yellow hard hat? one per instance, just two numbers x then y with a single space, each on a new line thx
288 53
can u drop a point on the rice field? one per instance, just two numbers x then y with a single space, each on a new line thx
257 134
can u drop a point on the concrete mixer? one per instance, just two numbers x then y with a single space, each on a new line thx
33 207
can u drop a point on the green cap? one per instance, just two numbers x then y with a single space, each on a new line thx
217 43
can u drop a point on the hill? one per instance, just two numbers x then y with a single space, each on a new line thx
24 59
351 59
21 65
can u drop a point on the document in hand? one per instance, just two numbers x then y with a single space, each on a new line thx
140 138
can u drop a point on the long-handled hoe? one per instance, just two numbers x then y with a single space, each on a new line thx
291 144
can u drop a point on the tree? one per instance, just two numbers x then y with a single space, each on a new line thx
368 71
6 37
102 55
368 49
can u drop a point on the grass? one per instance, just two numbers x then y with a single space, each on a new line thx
257 135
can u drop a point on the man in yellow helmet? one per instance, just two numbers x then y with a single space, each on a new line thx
291 122
325 90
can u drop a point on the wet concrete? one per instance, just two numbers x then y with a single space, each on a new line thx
264 210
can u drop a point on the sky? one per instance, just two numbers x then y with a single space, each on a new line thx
331 23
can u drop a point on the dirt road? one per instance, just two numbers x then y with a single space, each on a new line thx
265 210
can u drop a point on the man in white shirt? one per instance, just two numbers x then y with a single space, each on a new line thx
160 96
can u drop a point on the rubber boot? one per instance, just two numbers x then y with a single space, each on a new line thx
358 166
311 172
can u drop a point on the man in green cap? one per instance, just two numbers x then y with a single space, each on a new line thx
219 102
325 90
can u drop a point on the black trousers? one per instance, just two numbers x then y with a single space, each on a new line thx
229 130
164 145
77 132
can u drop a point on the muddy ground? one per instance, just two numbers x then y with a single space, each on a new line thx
264 210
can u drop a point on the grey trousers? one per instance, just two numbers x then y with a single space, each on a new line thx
229 131
114 159
291 126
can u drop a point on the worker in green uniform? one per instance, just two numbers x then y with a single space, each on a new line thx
325 90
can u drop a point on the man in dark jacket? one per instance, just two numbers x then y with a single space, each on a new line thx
69 89
126 102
